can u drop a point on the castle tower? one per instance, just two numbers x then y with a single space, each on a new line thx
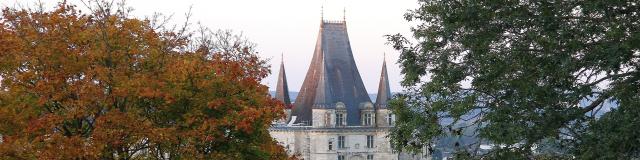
384 117
282 91
333 55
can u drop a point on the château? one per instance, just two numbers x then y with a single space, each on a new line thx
332 116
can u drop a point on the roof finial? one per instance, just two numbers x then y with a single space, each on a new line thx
322 12
344 14
282 57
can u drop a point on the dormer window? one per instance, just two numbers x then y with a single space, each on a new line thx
368 119
340 119
341 114
367 114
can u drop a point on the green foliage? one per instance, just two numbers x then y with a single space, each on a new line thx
524 72
614 136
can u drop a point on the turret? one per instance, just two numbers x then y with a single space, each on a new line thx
383 114
282 91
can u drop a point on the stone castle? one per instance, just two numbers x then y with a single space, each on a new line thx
333 116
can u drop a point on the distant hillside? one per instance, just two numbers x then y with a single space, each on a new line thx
293 96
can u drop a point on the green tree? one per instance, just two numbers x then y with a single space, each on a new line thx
525 72
106 85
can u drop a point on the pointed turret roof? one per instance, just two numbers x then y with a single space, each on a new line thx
282 89
332 72
384 92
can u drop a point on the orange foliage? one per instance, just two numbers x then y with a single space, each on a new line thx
107 86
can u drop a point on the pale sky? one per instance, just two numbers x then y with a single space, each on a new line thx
290 27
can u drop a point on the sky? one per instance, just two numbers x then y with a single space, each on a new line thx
290 27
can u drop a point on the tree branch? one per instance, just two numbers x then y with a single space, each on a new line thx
595 103
609 77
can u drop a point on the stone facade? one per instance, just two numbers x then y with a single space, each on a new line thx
323 143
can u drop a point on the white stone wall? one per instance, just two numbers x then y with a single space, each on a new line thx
285 139
313 143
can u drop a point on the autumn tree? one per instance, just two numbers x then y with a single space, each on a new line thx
524 74
102 84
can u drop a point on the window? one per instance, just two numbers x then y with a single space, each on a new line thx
368 119
390 119
341 142
369 141
370 157
331 144
341 157
327 119
339 119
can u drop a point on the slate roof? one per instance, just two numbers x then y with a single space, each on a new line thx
324 94
332 76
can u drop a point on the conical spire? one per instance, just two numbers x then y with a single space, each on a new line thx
282 89
384 92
